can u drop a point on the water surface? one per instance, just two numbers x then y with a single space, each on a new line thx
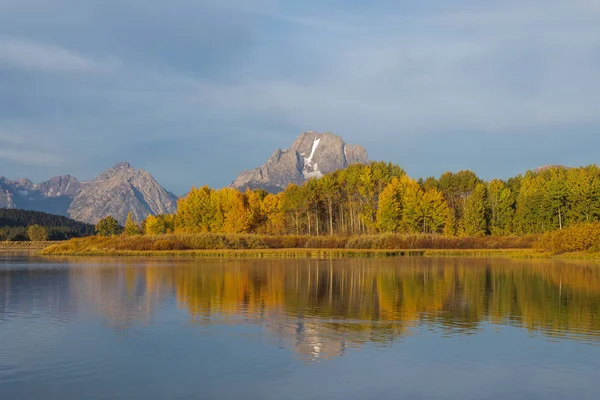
403 328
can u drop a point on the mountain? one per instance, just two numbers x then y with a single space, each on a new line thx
119 191
116 192
53 196
549 166
311 156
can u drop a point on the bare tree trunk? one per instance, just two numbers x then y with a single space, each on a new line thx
559 218
330 216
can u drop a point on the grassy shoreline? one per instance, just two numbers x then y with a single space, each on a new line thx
17 246
247 253
312 253
323 247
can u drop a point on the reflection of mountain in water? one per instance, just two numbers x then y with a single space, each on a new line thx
322 308
125 296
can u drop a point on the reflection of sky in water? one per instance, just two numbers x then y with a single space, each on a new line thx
418 328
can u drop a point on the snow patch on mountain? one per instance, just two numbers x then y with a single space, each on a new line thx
311 170
312 155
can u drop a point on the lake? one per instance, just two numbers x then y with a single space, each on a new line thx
397 328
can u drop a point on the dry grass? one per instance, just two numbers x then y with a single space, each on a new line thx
251 253
24 245
491 253
218 244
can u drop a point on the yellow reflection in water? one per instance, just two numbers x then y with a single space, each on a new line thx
324 307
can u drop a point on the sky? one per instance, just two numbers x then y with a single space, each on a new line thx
195 91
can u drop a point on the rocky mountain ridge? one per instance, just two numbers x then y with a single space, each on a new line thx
53 196
116 192
311 155
123 189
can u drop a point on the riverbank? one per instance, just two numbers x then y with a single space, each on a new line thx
327 247
219 245
312 253
248 253
330 254
84 249
18 246
218 242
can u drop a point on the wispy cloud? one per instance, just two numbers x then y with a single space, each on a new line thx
25 54
29 157
10 139
218 74
18 149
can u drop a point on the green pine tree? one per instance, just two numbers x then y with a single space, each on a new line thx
475 218
108 226
131 227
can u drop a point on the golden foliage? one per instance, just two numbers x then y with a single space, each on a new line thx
581 237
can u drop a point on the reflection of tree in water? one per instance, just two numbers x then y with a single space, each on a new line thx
322 308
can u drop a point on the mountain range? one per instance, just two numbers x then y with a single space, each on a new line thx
123 189
311 156
116 192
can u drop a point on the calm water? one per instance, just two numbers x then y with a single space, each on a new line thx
406 328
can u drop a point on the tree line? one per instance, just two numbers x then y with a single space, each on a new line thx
380 198
23 225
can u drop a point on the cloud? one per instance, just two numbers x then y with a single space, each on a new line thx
29 157
20 53
20 150
10 139
242 77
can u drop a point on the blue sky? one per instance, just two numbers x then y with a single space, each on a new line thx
195 91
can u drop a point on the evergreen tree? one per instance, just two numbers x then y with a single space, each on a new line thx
475 219
108 226
131 228
14 224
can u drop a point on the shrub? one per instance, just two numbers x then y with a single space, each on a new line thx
37 233
581 237
108 226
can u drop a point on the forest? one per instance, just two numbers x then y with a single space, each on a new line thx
15 225
381 198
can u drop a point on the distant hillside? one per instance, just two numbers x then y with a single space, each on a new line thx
14 224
